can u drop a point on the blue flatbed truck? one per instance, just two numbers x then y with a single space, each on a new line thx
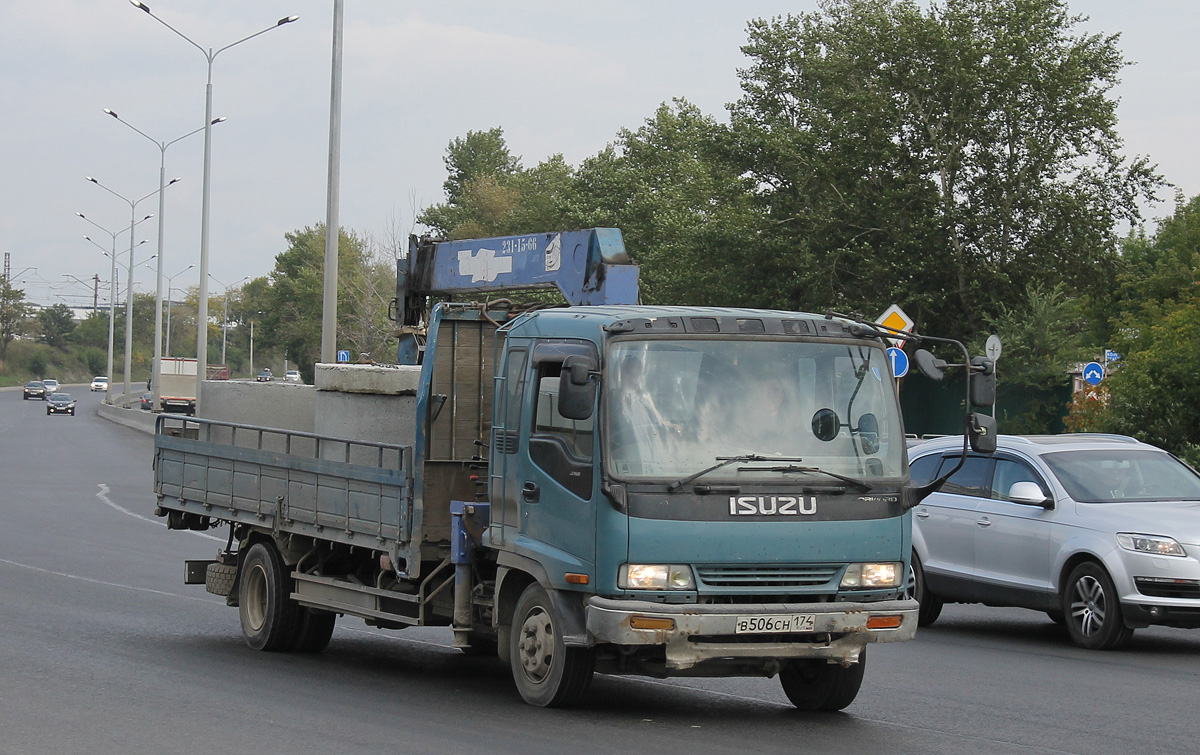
604 487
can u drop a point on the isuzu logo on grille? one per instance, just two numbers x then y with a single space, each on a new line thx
772 505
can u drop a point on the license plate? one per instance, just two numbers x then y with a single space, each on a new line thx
798 622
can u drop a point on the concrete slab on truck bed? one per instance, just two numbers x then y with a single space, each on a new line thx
394 380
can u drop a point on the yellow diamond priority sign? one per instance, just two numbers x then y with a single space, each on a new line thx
895 318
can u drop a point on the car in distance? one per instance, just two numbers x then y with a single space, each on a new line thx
264 376
292 376
60 403
148 401
1102 532
99 383
34 389
51 385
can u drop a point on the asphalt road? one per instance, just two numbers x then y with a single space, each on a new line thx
103 649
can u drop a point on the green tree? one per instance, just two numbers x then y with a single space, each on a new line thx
683 205
1154 394
478 165
13 312
55 325
941 157
1043 336
292 311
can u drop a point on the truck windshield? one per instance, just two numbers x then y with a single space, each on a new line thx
674 408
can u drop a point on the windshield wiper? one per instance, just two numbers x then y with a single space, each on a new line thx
723 461
852 480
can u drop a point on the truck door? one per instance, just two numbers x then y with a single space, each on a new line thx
506 439
555 479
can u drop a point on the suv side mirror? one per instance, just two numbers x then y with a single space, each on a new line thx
576 389
1030 493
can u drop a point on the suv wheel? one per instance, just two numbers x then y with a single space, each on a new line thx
1092 610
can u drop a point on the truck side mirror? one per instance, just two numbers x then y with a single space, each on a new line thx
983 381
929 365
982 431
576 388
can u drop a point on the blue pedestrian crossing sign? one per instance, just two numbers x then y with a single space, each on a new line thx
343 355
899 361
1093 373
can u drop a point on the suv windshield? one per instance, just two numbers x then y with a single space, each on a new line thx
674 408
1119 474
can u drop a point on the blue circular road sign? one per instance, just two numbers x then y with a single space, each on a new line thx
899 361
1093 373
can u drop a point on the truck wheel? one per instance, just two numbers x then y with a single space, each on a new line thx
818 685
269 616
314 630
1092 610
931 605
547 672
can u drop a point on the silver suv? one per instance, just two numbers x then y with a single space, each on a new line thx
1102 532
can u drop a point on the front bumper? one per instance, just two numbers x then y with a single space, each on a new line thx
702 633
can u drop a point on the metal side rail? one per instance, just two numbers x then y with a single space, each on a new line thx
335 489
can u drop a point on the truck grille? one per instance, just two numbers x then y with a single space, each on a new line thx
767 576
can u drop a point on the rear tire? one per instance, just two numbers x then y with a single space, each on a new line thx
931 605
314 630
818 685
547 672
270 618
1092 609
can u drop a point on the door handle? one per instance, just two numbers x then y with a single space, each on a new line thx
530 492
923 514
984 522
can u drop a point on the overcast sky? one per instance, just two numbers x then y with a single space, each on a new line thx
558 76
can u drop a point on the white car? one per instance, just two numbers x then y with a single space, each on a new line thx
99 383
51 386
292 376
1102 532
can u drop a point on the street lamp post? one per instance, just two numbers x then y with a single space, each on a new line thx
133 203
170 280
225 316
112 296
156 365
202 312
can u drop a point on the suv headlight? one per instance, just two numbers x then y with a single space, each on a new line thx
1153 544
655 577
867 576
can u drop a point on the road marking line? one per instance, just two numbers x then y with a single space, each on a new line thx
103 496
94 581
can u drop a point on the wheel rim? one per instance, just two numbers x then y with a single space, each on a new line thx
536 646
1088 607
910 586
254 597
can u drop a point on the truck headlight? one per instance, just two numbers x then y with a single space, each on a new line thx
1154 544
655 577
866 576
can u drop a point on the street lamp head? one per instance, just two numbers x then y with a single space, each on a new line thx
113 114
287 20
140 5
222 119
175 180
91 179
80 214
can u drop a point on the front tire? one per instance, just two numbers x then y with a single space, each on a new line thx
1092 610
547 672
270 618
818 685
931 605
